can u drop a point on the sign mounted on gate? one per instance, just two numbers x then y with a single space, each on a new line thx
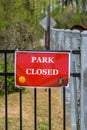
42 68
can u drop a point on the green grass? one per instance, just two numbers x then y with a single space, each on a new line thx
43 126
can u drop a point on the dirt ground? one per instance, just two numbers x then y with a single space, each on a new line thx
28 110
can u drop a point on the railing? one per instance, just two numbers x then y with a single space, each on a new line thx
5 74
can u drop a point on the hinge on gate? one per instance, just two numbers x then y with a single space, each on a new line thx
75 74
76 51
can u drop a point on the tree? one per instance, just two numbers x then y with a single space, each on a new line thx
84 4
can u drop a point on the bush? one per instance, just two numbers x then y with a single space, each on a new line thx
10 80
68 17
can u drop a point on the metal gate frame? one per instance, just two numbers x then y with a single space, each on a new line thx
6 74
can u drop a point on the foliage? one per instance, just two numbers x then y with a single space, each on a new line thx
67 17
10 80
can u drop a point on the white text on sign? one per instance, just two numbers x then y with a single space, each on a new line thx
44 71
42 59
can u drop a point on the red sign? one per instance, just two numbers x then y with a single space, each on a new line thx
41 69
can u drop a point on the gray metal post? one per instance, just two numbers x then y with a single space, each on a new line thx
84 81
52 39
67 39
57 38
73 113
75 91
60 39
67 46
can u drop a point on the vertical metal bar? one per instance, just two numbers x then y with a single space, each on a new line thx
35 109
49 108
75 81
6 92
48 29
48 48
74 109
67 91
20 109
64 109
46 39
83 117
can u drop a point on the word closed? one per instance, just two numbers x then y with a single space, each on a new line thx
41 69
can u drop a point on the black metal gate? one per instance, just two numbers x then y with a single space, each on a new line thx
5 74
